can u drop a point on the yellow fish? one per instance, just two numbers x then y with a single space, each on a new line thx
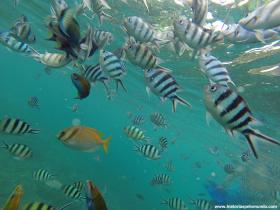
83 138
14 200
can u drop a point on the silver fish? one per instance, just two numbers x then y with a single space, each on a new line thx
57 7
229 109
161 179
102 38
113 66
215 71
135 133
42 175
175 203
264 17
18 150
16 126
158 120
149 151
200 10
98 7
164 85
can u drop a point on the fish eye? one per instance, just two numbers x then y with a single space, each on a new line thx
129 19
181 21
213 88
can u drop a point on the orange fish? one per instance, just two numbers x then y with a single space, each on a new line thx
84 138
94 199
14 200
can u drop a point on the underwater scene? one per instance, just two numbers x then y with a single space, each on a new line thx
139 104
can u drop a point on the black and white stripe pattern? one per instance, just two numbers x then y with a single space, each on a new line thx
94 73
245 156
138 120
204 204
229 168
71 192
140 55
163 143
164 85
233 113
158 120
18 150
79 185
139 29
175 203
12 43
135 133
16 126
149 151
215 71
42 175
38 206
101 38
161 179
53 60
194 35
200 10
113 67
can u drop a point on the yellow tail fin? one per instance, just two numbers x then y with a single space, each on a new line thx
106 144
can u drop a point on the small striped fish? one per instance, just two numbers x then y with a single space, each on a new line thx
52 60
141 55
194 35
16 126
215 71
33 102
175 203
170 166
138 120
203 204
38 206
135 133
163 143
200 10
164 85
57 6
79 185
42 175
113 67
161 179
18 150
22 30
141 31
229 168
12 43
102 38
149 151
229 109
71 192
158 120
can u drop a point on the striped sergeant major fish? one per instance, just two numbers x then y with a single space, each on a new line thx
16 126
8 40
200 10
44 206
229 109
22 30
113 66
245 156
175 203
164 85
20 151
57 6
149 151
72 192
194 35
163 143
42 175
158 120
141 55
141 31
161 179
138 120
264 17
170 166
94 73
79 185
98 7
135 133
214 69
102 38
13 202
202 204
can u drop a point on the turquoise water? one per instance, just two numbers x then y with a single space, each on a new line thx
123 173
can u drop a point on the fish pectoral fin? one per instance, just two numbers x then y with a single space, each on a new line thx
208 118
260 36
106 144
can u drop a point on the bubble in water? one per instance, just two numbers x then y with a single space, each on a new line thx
213 174
76 122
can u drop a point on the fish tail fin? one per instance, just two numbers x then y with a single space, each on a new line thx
34 131
136 148
66 205
180 100
106 144
121 83
253 133
4 145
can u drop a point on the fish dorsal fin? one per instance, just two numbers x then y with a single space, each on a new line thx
96 131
